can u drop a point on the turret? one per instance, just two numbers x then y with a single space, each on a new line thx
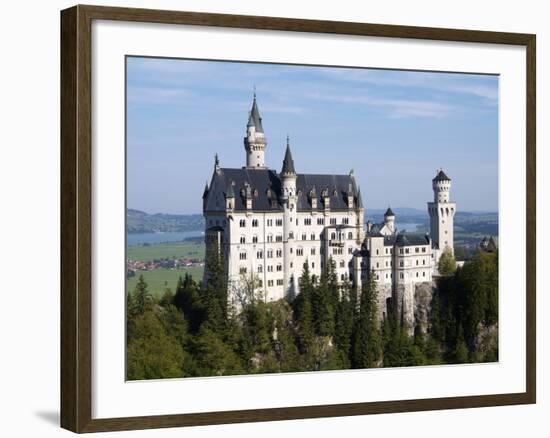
442 213
389 220
288 173
205 196
441 185
255 141
288 198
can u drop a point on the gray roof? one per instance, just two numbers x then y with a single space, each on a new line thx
254 118
412 239
266 190
388 212
288 162
441 176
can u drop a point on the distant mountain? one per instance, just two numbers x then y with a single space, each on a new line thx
141 222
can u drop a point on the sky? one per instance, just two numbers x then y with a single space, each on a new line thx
393 128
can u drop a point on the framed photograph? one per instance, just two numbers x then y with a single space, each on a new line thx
269 218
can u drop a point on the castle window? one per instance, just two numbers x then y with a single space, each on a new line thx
376 252
300 252
279 268
260 269
320 221
307 221
377 265
260 254
333 236
304 236
312 265
350 235
279 222
269 253
391 250
423 274
312 251
417 263
401 275
242 256
424 249
417 275
279 253
278 238
270 268
270 222
416 249
342 277
333 221
242 223
350 250
406 250
243 239
254 239
400 250
279 282
242 270
401 263
345 221
269 283
270 237
254 222
260 283
342 264
423 262
291 264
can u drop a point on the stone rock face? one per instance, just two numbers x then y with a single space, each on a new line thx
423 295
384 299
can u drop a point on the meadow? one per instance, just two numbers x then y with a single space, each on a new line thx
159 279
168 250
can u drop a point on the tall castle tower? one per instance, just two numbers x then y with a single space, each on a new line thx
255 141
441 215
288 189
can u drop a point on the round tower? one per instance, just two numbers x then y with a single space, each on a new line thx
255 141
389 220
442 212
288 198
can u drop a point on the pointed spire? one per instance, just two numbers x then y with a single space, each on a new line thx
288 162
254 118
389 212
205 193
359 199
216 161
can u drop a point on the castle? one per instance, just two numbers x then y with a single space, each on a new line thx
269 223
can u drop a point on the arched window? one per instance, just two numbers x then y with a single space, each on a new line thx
242 223
242 255
350 235
333 236
243 239
260 269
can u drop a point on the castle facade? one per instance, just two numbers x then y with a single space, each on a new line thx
268 224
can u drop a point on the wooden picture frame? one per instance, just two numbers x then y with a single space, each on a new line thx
76 217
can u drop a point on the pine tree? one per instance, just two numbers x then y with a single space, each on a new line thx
461 352
447 263
323 302
215 298
142 298
345 313
188 300
367 342
303 312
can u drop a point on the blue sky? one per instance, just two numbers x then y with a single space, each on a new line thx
394 128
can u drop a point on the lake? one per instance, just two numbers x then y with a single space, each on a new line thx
133 239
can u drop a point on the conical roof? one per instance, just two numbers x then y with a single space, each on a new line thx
359 199
254 118
441 176
288 162
389 212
